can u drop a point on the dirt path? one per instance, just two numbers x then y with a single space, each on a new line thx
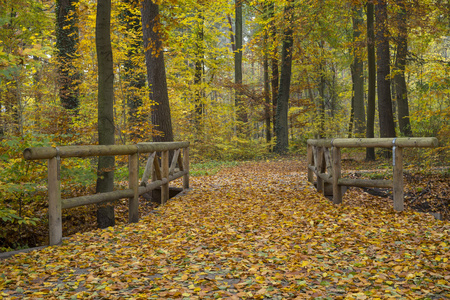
257 231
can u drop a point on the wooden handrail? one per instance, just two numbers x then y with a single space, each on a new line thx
99 150
375 142
162 176
318 163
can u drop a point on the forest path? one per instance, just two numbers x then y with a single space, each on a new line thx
256 231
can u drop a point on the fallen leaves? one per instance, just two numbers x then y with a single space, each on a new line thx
262 232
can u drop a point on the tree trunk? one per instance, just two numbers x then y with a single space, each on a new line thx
240 109
156 72
401 90
198 74
352 107
134 78
105 172
66 45
370 152
233 43
268 105
359 115
274 63
281 125
321 103
385 115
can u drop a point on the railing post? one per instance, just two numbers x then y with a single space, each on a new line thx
398 178
337 189
133 177
310 159
54 201
186 168
149 169
165 175
320 165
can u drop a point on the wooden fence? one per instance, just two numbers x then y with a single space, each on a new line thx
161 176
327 167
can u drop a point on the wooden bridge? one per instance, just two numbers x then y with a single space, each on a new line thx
256 231
323 156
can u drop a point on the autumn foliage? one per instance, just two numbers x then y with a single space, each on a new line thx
198 48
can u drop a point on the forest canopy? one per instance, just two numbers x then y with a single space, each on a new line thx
48 71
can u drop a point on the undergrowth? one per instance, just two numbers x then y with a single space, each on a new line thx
210 167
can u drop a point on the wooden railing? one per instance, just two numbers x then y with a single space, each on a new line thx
327 167
161 176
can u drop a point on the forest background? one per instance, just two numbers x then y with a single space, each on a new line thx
306 69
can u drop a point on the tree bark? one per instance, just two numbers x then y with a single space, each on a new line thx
352 107
198 73
274 63
321 99
268 105
240 109
281 124
385 115
105 173
370 152
233 43
359 116
401 90
134 78
66 45
156 72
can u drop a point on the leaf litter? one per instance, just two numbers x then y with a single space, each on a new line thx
257 231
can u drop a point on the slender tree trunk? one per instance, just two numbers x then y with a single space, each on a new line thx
386 117
66 45
358 76
333 90
401 90
281 125
156 72
240 109
38 88
198 74
268 105
105 179
274 62
370 152
233 43
135 79
352 107
321 104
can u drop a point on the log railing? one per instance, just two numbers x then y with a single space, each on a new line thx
161 176
327 166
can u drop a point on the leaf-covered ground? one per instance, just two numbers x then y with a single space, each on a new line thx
257 231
